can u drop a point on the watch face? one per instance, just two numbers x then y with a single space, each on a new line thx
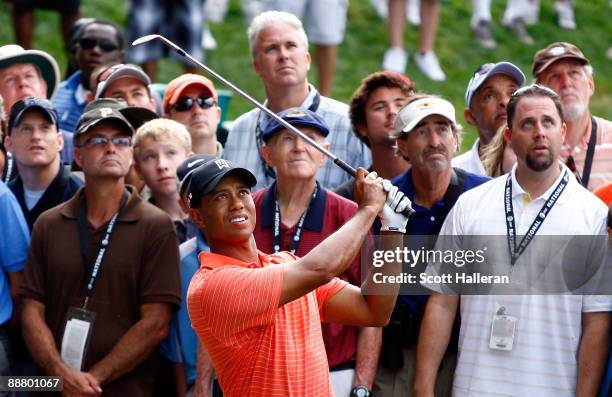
360 391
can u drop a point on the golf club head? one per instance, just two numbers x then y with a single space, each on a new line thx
146 39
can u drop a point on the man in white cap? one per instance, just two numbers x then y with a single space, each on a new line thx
427 134
486 97
26 73
30 73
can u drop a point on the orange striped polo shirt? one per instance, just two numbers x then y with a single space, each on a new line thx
258 348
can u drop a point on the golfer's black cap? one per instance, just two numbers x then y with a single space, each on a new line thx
207 176
20 107
183 171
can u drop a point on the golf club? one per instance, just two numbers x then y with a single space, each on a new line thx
339 162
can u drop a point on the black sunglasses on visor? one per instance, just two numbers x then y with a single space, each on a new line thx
185 103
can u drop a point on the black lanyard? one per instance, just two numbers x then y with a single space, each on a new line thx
268 171
104 243
515 251
588 162
297 237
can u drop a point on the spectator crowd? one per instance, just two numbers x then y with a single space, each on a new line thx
244 263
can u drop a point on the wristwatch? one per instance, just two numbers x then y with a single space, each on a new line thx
360 391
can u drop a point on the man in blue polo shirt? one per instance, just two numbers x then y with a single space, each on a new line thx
427 136
98 43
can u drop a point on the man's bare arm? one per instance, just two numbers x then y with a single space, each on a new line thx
434 335
593 352
41 344
369 342
204 373
136 345
372 304
336 253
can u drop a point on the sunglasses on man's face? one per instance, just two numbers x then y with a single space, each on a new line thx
119 141
105 45
184 104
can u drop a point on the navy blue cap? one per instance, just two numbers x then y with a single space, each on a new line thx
295 117
205 178
20 107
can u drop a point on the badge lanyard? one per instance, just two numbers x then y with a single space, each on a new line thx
84 237
295 241
588 162
516 251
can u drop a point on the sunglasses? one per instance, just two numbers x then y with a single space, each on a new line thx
184 104
105 45
102 141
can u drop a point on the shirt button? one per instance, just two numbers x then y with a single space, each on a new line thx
432 218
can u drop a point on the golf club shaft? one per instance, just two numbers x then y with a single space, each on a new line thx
339 162
346 167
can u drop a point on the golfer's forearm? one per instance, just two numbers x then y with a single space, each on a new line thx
380 293
336 253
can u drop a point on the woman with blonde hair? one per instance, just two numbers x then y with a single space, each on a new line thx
497 157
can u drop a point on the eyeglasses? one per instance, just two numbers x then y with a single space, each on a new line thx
185 103
105 45
101 141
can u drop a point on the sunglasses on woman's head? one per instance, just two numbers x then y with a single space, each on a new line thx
185 103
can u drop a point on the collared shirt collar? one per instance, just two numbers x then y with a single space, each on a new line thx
210 260
314 216
312 92
80 94
517 190
406 185
476 156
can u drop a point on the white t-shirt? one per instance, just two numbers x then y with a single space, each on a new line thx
470 161
543 361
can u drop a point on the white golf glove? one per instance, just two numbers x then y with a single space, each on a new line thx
392 216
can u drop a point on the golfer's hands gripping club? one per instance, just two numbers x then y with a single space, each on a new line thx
394 216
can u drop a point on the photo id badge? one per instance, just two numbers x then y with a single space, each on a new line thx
79 325
503 329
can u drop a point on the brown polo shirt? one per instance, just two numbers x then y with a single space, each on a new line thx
141 265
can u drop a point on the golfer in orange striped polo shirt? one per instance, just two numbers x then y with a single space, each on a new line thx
259 315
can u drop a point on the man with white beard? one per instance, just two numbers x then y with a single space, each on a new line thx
587 149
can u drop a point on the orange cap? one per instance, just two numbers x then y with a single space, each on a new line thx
175 88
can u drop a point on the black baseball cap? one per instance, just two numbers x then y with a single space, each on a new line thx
20 107
183 171
295 117
207 176
129 117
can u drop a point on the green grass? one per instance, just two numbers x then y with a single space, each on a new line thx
364 45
